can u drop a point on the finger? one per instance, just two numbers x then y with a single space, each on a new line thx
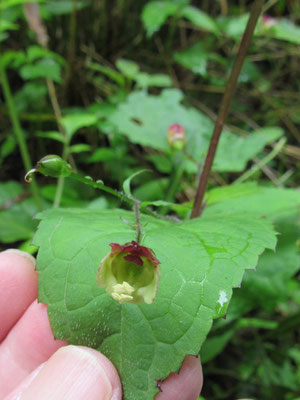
18 287
28 344
74 373
186 385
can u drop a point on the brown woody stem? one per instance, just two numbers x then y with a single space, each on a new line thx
231 85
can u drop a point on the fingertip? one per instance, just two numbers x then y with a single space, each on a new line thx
110 371
75 373
18 287
186 385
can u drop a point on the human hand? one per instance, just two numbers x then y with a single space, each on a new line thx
35 366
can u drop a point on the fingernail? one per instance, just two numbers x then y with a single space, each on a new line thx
71 373
21 254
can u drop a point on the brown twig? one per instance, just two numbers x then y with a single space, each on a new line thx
231 85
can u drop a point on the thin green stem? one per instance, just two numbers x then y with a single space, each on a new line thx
18 131
101 186
61 179
261 163
138 226
175 179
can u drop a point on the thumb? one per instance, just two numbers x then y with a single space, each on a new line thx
74 373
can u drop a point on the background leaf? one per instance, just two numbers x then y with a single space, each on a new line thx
145 119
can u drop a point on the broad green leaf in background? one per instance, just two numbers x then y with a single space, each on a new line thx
145 119
201 260
252 199
73 122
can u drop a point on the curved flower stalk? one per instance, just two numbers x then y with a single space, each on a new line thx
129 272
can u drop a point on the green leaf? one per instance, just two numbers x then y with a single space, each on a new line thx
127 182
267 288
284 29
45 68
253 199
200 19
145 80
127 67
7 25
10 3
194 58
16 221
73 122
7 147
61 7
104 154
145 119
107 71
80 148
201 260
35 52
233 26
54 135
155 14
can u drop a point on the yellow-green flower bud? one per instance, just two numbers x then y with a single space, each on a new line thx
176 136
129 272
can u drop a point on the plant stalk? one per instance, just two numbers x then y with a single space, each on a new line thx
18 132
231 85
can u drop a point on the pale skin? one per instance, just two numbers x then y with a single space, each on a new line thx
35 366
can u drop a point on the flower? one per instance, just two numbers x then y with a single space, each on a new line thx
129 272
176 136
268 21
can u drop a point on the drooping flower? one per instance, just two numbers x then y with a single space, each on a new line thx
129 272
176 136
268 21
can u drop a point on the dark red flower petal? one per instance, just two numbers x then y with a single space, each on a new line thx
135 259
135 251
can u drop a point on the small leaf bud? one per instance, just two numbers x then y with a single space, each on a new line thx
176 136
130 273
